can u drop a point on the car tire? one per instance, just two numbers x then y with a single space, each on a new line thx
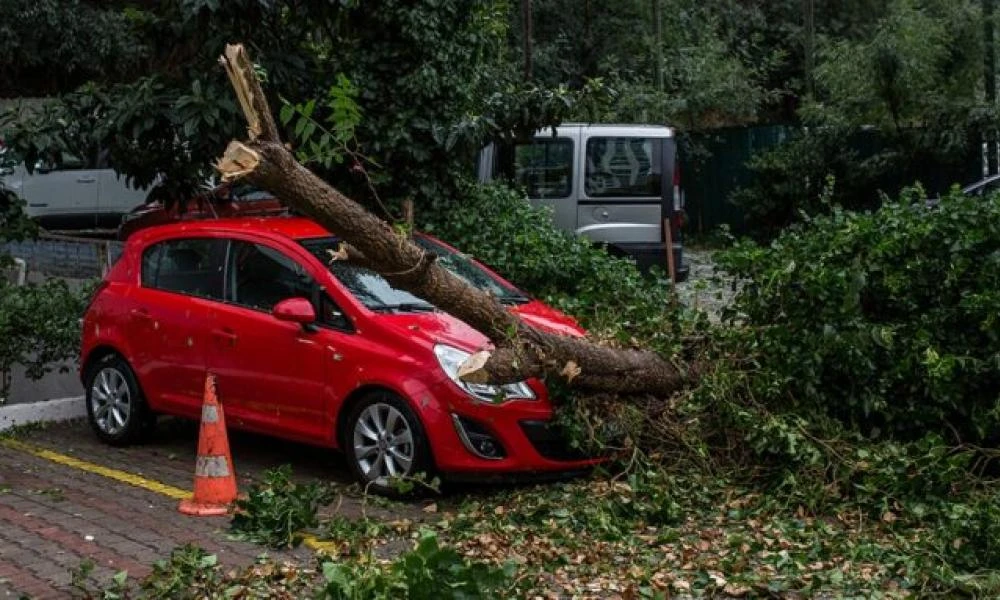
382 438
116 408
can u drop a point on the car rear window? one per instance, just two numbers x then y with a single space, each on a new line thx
624 167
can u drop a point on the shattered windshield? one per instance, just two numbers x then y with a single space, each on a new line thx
376 293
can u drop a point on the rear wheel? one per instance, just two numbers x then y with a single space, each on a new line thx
116 408
385 442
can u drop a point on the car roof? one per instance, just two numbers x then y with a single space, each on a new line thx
295 228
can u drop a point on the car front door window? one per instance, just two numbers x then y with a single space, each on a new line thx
260 277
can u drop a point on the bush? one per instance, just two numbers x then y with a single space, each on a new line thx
886 321
39 327
276 510
429 571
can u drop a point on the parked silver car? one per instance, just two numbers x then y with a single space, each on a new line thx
65 191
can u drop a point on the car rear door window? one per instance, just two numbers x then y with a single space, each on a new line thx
191 266
624 167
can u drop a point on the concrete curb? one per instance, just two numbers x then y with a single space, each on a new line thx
61 409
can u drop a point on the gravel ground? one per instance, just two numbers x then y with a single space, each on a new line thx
705 288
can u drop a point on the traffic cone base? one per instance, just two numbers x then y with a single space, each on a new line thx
190 507
214 480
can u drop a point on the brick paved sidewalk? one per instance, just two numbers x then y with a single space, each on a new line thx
53 516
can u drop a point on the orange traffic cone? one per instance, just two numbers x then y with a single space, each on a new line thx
214 479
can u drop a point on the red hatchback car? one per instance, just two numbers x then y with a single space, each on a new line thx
309 349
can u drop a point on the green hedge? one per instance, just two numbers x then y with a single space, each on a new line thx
887 321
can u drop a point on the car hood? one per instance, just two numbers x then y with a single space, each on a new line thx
546 318
440 327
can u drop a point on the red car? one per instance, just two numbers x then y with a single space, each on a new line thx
309 349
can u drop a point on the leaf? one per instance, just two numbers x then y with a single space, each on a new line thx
308 109
286 114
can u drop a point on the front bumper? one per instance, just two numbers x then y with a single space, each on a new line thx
528 445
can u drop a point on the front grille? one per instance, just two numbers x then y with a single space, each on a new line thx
549 442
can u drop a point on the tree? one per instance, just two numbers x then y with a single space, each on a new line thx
521 350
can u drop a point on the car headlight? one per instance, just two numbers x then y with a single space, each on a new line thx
451 358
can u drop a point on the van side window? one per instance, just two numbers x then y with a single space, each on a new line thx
624 167
186 266
545 167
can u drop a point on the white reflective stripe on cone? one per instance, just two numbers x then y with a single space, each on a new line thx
209 414
211 466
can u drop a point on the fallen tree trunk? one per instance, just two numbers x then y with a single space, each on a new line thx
521 350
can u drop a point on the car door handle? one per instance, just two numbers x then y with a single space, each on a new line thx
86 179
140 313
226 336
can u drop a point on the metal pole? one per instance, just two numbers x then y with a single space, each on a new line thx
990 80
809 42
526 31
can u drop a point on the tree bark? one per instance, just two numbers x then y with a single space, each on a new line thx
521 350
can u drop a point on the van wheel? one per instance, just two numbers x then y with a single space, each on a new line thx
116 409
385 443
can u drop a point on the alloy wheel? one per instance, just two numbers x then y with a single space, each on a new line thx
111 401
383 443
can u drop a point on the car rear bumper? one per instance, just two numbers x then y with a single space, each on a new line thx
648 255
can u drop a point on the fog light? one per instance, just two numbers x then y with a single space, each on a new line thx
477 439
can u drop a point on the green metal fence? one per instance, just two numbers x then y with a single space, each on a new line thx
713 166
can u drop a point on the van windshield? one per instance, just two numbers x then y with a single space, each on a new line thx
378 294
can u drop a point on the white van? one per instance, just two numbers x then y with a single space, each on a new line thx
67 192
617 185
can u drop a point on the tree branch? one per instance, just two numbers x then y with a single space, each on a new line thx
260 122
521 350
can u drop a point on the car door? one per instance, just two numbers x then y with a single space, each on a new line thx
116 196
171 319
272 370
61 189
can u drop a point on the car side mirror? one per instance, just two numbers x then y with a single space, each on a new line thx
295 310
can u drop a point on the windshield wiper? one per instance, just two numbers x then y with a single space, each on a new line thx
515 300
406 307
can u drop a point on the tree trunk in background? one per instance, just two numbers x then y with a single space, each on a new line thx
990 81
658 45
809 42
521 350
526 31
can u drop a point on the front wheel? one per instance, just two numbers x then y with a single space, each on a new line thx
385 442
115 407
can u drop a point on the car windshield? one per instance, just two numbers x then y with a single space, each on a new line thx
378 294
473 274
